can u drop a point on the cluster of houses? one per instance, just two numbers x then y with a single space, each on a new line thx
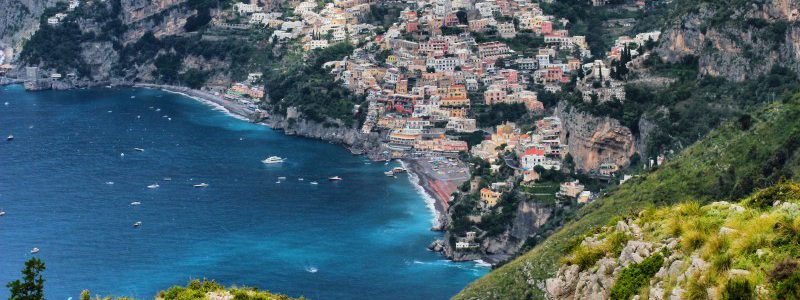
424 74
248 93
315 25
58 17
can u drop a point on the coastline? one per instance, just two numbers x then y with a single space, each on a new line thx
421 181
437 205
233 109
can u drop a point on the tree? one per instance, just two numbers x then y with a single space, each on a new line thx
85 295
32 285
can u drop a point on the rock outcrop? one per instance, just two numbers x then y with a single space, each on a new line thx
529 220
736 41
294 123
594 140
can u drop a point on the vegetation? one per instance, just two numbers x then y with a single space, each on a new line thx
729 163
197 289
301 81
632 278
31 287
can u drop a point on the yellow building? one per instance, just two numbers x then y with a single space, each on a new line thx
490 197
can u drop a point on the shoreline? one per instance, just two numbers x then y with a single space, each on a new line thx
421 181
418 178
231 108
436 205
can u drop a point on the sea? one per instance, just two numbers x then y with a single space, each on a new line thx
70 175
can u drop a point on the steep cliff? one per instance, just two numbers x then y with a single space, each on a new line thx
594 140
18 20
737 40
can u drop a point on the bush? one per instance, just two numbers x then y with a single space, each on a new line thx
781 192
635 276
738 289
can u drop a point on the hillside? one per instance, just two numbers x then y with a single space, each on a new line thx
754 151
737 40
723 250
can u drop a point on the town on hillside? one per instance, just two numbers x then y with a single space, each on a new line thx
462 88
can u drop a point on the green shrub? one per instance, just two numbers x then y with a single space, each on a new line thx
788 288
632 278
738 289
780 192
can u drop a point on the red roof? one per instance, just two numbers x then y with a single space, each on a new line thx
534 151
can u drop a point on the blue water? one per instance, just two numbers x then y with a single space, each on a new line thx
365 236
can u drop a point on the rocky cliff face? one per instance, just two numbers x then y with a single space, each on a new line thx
529 219
294 124
18 20
735 41
594 140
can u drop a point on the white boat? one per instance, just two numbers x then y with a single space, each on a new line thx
273 160
34 250
137 224
139 149
314 183
167 178
300 179
2 213
122 155
136 203
158 109
109 182
398 170
389 173
10 137
282 178
153 186
202 185
335 178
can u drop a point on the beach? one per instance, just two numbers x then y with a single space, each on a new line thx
234 109
438 183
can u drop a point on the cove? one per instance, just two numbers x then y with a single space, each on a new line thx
360 238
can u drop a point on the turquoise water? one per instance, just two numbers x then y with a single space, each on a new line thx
361 238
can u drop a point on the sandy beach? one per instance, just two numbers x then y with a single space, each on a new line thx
234 109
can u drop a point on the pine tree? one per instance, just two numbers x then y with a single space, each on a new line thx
32 285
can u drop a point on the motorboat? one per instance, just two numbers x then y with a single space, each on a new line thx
153 186
34 250
109 182
136 203
389 173
335 178
202 185
167 178
137 224
282 178
398 170
139 149
273 160
300 179
10 137
314 183
2 213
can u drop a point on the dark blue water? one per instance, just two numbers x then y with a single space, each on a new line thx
361 238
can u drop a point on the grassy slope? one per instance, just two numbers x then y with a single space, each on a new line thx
726 164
